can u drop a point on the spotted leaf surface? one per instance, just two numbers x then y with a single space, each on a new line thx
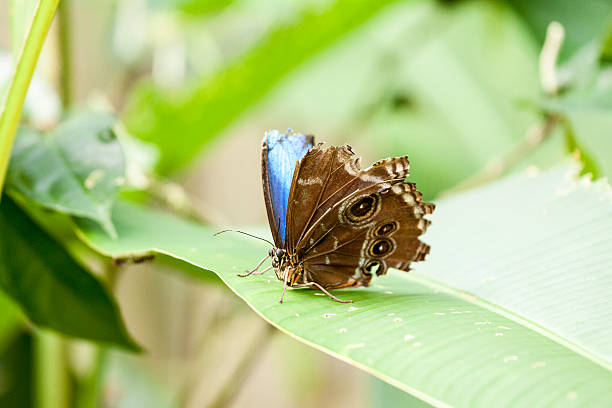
509 310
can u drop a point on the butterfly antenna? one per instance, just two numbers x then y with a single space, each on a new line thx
245 233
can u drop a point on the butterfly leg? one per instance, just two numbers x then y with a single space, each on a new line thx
322 289
284 285
252 271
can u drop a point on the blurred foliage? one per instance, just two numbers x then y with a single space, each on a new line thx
77 169
193 7
583 21
199 113
456 85
51 289
17 372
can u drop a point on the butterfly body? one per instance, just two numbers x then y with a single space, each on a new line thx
335 225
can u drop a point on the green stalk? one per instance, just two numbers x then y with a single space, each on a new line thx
65 59
51 380
10 109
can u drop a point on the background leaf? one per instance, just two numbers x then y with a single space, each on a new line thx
52 289
76 169
458 332
200 112
582 23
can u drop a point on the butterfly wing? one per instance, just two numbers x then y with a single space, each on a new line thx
360 221
279 154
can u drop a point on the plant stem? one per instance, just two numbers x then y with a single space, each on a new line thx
10 109
534 136
51 380
65 59
230 389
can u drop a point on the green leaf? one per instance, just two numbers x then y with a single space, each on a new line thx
459 106
52 289
582 23
510 310
76 169
199 113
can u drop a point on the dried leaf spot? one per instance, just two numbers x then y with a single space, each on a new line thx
397 319
328 315
342 330
499 334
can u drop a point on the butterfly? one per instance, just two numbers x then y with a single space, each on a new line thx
334 225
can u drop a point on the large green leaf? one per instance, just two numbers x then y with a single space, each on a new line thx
511 309
51 288
77 169
197 113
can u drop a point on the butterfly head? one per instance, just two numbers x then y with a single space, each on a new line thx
279 257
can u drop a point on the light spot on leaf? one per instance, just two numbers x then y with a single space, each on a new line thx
468 296
353 308
408 337
355 346
510 358
538 364
94 178
572 395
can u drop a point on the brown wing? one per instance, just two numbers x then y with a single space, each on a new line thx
360 221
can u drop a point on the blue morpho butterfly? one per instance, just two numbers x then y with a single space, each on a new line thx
333 224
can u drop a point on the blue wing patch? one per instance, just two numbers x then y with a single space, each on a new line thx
284 151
